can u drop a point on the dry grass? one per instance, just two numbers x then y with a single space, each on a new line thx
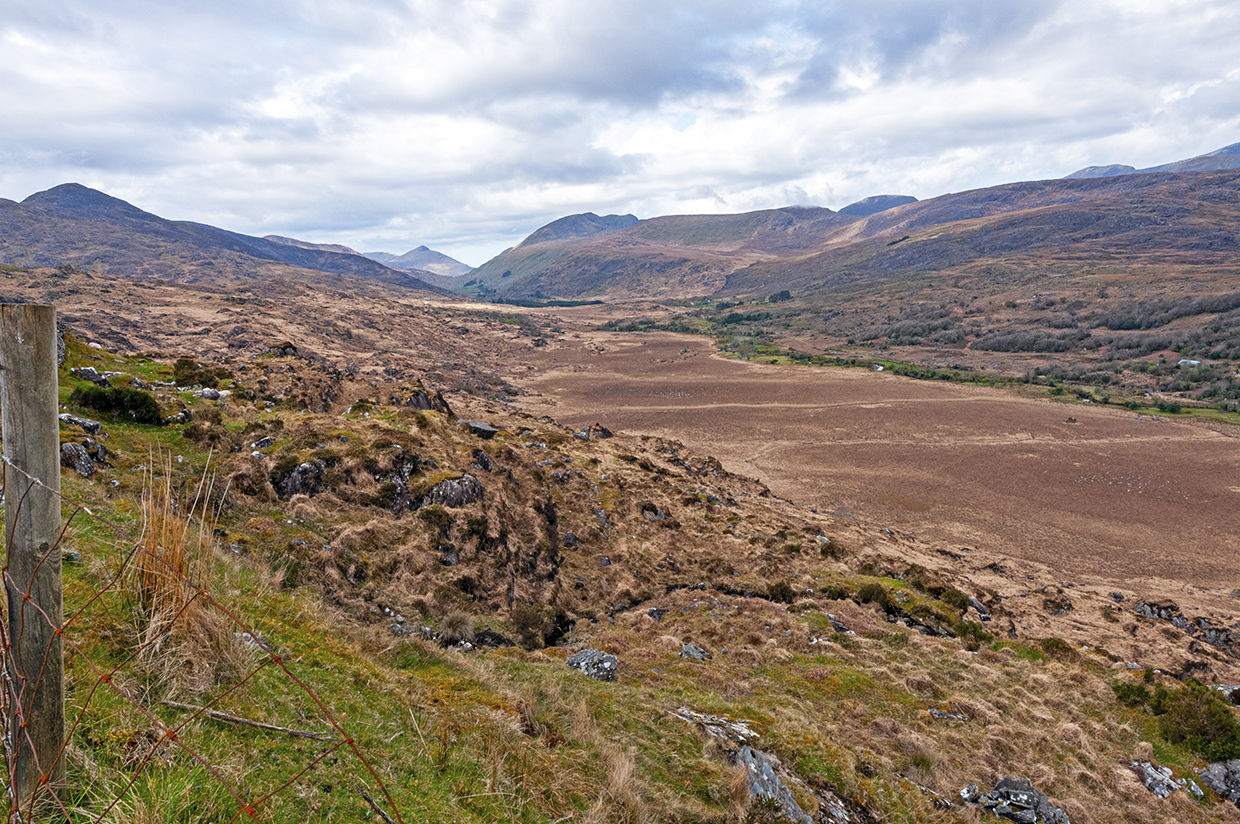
185 646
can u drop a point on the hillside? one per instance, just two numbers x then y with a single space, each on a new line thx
366 529
73 225
1132 220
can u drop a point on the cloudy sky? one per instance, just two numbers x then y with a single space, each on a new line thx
466 124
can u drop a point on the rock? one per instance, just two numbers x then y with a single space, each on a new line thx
1166 610
482 460
732 733
595 431
979 608
656 613
281 350
694 651
946 716
70 556
485 637
306 479
75 456
595 664
482 430
652 513
418 396
1117 596
1158 780
85 424
450 556
1016 800
836 624
262 443
98 453
454 492
1224 778
604 561
208 394
766 787
570 540
89 373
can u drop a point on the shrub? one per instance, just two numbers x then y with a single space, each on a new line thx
187 373
874 593
120 402
779 592
1198 718
973 635
1131 695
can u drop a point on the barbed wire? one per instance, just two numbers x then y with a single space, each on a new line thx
18 687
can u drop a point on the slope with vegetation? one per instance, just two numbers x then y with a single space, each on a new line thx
354 508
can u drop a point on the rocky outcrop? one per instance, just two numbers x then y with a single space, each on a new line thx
1224 778
454 492
75 456
1161 781
596 664
482 430
85 424
305 479
595 431
1017 800
766 787
417 396
1200 628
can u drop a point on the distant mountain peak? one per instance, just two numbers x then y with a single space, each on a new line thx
82 201
425 259
583 225
874 204
1227 157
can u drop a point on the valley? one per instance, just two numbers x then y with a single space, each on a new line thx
1104 493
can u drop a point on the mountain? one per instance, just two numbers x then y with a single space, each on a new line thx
73 224
423 259
1156 217
580 226
875 204
671 256
1227 157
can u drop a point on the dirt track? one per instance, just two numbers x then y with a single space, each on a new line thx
1112 494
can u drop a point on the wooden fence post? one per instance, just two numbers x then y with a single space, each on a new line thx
31 432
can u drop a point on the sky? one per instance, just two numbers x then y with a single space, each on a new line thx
467 124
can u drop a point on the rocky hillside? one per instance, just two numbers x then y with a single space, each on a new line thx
534 622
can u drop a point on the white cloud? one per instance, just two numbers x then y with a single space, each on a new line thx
465 124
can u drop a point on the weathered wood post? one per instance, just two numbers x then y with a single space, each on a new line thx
31 434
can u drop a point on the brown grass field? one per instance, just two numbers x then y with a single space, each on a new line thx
1087 491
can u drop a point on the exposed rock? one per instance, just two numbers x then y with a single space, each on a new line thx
85 424
570 540
766 787
694 651
454 492
730 732
1224 778
418 396
281 350
979 608
946 716
482 430
596 664
482 460
836 624
1117 596
75 456
656 613
98 453
485 637
208 394
604 561
262 443
89 373
1166 610
1016 800
306 479
595 431
1158 780
652 513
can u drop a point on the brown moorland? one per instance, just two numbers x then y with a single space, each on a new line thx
1086 490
